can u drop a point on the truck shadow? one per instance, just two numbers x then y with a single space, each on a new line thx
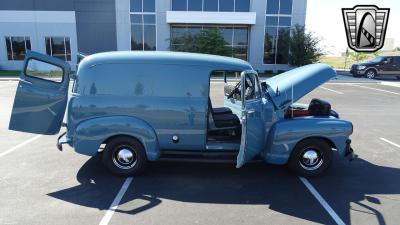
255 184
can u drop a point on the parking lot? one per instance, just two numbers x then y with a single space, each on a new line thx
41 185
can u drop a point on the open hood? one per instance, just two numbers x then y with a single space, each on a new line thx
290 86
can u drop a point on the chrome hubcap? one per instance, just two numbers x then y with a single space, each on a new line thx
370 74
310 159
124 158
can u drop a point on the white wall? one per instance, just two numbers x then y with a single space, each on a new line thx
36 25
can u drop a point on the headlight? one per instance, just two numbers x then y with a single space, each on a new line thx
361 67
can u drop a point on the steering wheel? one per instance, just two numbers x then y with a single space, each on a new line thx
234 90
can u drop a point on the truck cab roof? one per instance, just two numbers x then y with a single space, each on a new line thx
164 57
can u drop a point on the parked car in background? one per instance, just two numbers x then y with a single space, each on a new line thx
148 106
379 66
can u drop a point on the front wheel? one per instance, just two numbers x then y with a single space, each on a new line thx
310 157
371 74
124 156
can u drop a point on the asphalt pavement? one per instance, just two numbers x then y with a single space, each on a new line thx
41 185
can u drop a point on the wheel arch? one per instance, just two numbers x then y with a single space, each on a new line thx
326 139
371 68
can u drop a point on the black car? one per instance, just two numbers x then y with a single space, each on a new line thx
379 66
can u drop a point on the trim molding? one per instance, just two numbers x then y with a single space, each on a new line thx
248 18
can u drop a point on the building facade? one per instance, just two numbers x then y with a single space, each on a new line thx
253 30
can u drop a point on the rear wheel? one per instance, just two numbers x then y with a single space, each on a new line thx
371 74
124 156
310 157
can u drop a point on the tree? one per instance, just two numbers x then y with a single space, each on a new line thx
208 41
304 47
358 56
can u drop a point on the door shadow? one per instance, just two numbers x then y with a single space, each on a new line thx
254 184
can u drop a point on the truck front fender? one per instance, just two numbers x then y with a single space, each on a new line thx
91 133
285 134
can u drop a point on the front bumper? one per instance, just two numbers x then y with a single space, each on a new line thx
349 152
62 139
357 72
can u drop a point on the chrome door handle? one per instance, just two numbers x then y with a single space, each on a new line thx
250 111
25 81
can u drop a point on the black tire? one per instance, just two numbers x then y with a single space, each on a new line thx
370 73
124 156
298 162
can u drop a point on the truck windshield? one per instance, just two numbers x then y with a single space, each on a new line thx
377 59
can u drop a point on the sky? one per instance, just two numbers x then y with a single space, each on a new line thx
324 18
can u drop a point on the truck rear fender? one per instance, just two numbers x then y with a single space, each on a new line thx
90 134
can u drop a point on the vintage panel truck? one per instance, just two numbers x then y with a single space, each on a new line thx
146 106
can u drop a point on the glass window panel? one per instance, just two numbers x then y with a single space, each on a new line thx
178 34
286 7
136 37
242 5
285 21
18 48
136 5
227 33
149 37
269 45
271 20
240 52
272 31
58 47
193 31
226 5
68 48
137 18
28 43
195 5
179 5
282 56
48 46
149 6
272 6
39 69
149 19
9 51
240 36
210 5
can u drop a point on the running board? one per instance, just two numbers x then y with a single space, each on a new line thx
201 156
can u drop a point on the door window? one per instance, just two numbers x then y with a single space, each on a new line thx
389 60
42 70
252 89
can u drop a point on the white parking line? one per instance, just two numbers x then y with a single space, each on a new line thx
322 201
19 145
337 92
376 89
114 205
390 142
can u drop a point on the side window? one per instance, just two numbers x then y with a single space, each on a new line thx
59 47
389 60
42 70
16 47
